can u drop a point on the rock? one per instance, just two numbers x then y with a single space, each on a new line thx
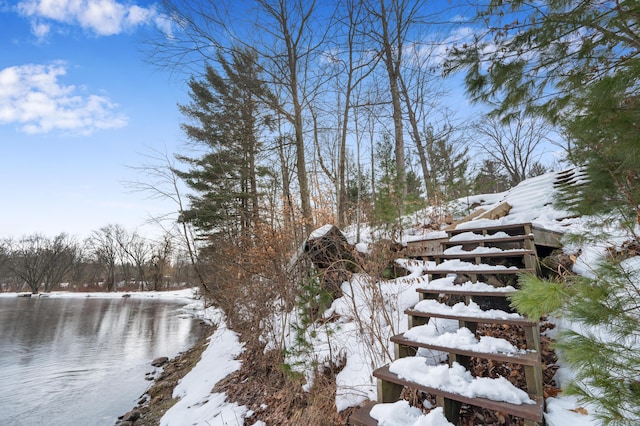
159 362
328 249
131 416
557 264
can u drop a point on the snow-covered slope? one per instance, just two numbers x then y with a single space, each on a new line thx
371 311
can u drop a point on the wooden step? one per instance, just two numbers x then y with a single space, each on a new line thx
499 292
522 258
471 319
487 255
532 412
484 230
362 417
504 271
447 286
531 358
488 239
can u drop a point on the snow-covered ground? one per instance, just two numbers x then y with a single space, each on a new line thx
368 314
360 336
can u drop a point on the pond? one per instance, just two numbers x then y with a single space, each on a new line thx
83 360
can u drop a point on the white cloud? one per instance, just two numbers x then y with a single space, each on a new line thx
102 17
32 97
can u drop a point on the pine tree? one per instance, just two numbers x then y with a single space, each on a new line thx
602 346
576 64
490 178
387 201
448 172
226 120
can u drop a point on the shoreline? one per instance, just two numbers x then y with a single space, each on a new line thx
158 398
185 293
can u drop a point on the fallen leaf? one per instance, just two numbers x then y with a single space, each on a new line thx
580 410
551 392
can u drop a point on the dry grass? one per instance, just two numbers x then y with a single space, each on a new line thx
277 397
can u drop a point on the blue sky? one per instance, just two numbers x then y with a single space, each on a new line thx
79 106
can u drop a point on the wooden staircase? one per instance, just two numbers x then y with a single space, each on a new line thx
475 270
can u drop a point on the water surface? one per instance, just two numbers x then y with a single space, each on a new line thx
82 361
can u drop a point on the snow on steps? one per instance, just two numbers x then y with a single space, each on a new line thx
447 285
462 342
430 308
454 385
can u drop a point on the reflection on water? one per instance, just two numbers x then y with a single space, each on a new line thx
82 361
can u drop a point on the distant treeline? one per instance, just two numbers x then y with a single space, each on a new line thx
111 259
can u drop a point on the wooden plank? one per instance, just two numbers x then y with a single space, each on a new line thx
525 322
425 247
480 271
488 240
492 255
527 411
362 417
497 212
389 391
461 292
530 358
467 218
544 237
507 228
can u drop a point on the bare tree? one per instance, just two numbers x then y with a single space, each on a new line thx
161 260
391 24
288 37
162 182
355 65
517 146
28 258
62 253
105 249
135 249
41 261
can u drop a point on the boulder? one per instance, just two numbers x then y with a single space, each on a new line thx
160 361
328 249
131 416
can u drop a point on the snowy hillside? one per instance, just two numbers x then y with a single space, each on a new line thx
368 314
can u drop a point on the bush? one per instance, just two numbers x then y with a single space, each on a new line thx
602 345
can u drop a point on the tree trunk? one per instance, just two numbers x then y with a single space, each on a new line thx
391 64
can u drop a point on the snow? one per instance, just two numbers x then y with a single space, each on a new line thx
531 201
432 306
186 294
426 235
320 232
456 379
447 283
368 314
462 338
361 335
197 405
401 414
459 265
479 250
472 236
566 410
